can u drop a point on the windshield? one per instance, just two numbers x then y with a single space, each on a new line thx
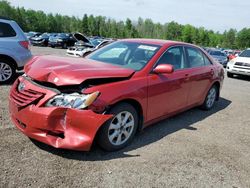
95 42
245 53
126 54
45 35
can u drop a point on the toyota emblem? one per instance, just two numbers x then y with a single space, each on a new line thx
21 87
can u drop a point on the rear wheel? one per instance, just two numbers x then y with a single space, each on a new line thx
230 75
210 98
7 71
118 132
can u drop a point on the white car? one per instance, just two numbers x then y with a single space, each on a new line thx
77 51
239 65
80 51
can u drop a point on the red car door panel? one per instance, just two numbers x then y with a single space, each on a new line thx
167 93
199 81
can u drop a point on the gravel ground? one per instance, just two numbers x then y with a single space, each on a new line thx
193 149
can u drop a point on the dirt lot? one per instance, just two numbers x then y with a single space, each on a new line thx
193 149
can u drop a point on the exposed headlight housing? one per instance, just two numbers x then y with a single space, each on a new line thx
73 100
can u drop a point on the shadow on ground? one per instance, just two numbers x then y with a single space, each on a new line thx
147 136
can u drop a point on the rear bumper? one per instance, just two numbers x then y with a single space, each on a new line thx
59 127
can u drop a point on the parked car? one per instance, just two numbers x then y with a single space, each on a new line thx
112 93
32 34
83 45
219 56
42 40
83 51
62 40
233 55
240 65
14 50
82 41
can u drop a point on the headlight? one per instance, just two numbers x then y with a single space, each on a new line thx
231 62
74 100
59 40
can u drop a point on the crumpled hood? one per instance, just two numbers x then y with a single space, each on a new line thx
71 71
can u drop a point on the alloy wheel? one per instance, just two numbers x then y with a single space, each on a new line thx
5 72
121 128
211 97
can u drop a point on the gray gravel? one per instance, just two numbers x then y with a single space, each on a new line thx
193 149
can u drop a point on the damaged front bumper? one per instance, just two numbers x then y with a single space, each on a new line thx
56 126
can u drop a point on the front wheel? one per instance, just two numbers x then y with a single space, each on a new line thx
210 98
230 75
118 132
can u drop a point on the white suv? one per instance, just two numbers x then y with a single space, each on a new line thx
14 50
239 65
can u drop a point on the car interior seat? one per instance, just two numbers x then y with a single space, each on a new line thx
138 57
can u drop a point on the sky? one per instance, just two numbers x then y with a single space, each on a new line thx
218 15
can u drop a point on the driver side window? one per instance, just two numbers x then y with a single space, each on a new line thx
173 56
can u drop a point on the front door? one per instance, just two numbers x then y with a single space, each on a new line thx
167 93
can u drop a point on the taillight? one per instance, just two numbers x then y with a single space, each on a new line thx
24 44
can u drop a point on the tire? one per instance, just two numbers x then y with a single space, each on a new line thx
7 71
230 75
115 134
210 98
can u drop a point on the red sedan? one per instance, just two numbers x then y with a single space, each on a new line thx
112 93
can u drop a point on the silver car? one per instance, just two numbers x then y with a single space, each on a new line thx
219 56
14 50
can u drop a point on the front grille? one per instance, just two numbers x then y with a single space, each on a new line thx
25 97
242 64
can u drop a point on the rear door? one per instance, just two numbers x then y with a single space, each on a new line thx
200 74
167 93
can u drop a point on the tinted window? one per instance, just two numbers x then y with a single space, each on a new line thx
195 57
6 30
175 57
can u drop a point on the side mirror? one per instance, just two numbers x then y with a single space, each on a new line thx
164 69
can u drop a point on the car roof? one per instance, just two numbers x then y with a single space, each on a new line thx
155 41
4 18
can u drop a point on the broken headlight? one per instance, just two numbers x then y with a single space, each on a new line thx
73 100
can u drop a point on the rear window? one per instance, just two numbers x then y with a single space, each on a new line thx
6 30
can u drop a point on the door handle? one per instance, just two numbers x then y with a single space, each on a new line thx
186 78
212 71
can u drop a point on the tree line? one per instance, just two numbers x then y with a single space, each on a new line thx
31 20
